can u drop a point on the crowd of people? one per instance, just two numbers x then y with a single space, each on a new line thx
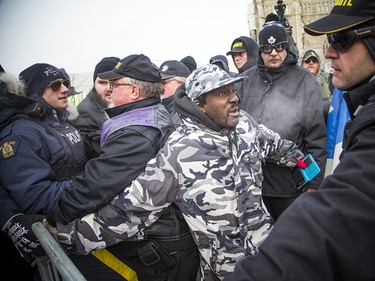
183 171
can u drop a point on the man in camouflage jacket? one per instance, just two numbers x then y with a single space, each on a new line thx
210 168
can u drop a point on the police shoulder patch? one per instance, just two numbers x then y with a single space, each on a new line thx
8 148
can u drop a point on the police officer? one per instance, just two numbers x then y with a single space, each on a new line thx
40 150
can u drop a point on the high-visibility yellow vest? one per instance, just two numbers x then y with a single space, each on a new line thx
78 97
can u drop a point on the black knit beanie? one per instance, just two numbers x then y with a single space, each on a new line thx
38 76
272 33
189 62
106 64
66 75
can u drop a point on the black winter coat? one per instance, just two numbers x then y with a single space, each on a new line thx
286 100
328 234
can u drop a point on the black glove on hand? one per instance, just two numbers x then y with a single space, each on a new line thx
23 237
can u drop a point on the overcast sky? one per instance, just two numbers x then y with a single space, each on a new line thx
76 34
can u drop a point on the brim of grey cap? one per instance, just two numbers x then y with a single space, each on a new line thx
226 82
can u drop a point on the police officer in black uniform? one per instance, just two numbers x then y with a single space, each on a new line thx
40 150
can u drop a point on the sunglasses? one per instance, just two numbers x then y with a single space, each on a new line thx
342 41
313 60
56 85
278 47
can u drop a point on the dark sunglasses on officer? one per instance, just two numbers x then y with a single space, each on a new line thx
56 84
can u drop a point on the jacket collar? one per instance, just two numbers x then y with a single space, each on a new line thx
357 98
114 111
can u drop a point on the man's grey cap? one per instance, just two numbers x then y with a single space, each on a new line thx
208 78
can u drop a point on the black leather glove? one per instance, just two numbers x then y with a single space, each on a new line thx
23 237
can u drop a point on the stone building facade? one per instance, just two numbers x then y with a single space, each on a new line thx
297 13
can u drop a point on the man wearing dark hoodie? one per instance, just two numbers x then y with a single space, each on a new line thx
329 234
244 52
286 98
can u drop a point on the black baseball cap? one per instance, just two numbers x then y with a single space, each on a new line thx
345 14
237 47
172 68
138 67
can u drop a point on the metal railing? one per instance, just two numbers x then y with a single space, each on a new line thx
60 266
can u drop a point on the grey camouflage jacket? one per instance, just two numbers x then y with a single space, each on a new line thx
213 177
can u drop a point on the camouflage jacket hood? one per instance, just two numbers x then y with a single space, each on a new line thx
215 180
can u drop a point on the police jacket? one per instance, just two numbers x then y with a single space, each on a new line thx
40 154
212 174
91 117
287 100
329 234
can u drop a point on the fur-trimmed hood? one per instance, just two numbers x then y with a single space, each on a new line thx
12 98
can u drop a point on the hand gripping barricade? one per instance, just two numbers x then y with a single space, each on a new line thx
60 266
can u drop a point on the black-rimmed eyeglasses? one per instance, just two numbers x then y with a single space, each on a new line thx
115 85
342 41
278 47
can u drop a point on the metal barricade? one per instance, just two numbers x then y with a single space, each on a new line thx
60 266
